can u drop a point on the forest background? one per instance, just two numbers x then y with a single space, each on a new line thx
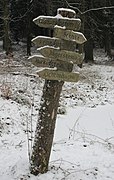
16 22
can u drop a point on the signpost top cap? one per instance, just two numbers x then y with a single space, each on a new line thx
65 12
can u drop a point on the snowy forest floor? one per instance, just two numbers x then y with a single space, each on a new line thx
83 147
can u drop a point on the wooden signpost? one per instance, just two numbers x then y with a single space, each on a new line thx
57 52
41 41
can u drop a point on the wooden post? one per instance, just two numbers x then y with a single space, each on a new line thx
47 118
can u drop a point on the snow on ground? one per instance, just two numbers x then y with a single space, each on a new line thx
83 147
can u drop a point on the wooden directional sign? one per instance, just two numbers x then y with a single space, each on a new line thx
63 55
52 87
50 22
44 40
55 42
40 61
62 33
58 75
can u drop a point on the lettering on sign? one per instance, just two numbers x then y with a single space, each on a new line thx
50 22
58 75
40 61
55 42
62 33
63 55
44 40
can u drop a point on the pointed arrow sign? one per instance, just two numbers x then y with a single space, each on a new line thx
62 33
63 55
44 40
58 75
55 42
41 61
50 22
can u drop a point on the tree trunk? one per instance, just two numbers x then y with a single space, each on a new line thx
107 40
81 46
28 37
88 26
6 29
49 13
28 27
88 49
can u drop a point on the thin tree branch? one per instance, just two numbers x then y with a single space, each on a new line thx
72 7
89 10
97 9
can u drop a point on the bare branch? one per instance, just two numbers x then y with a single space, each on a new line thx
72 7
97 9
89 10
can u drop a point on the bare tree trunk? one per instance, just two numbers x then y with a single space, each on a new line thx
6 29
49 13
88 46
28 37
28 28
107 38
106 30
88 49
81 46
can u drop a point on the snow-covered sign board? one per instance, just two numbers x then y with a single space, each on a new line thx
63 55
58 75
60 32
41 61
40 41
44 40
50 22
60 49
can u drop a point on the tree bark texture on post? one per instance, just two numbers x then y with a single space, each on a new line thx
46 124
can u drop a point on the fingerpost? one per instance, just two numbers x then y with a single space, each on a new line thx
54 53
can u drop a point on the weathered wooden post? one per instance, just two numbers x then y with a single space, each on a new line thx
62 58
